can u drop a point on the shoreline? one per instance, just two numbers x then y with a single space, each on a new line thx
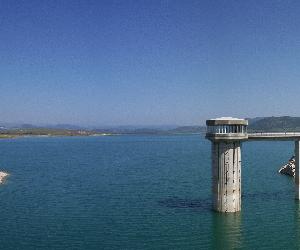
96 135
58 135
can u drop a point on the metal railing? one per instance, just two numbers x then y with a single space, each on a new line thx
271 134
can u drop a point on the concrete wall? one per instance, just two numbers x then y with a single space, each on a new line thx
226 176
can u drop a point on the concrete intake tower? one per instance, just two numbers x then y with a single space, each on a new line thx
226 135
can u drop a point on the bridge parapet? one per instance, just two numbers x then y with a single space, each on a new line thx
279 136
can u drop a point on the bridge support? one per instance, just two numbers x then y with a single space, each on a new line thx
297 172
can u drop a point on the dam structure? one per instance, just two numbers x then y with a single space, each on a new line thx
227 135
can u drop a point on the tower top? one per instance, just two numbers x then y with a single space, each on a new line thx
226 129
226 121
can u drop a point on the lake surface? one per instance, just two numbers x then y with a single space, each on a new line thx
140 192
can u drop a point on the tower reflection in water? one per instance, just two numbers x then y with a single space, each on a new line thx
296 228
226 229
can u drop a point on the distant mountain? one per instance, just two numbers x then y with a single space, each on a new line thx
275 124
27 126
64 126
253 120
189 129
133 127
8 125
153 131
140 131
257 124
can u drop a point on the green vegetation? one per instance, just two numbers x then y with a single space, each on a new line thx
12 133
274 124
6 136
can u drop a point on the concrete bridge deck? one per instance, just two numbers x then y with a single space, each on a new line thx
274 136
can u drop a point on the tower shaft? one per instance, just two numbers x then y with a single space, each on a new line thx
226 176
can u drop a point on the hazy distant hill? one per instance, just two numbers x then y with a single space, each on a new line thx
275 124
65 126
254 120
188 129
258 124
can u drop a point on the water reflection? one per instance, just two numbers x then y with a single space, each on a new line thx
297 224
226 230
199 205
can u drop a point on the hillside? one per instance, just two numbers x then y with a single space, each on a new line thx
275 124
188 130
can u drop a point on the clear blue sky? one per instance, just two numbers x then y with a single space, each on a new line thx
148 62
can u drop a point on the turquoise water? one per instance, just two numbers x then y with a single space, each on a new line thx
140 192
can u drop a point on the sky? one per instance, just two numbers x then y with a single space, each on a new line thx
147 62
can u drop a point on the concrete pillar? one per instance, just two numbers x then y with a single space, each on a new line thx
226 176
297 172
226 161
